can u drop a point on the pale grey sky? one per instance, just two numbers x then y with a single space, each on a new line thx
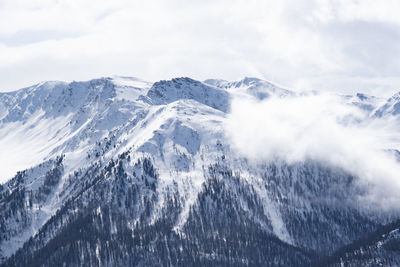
335 45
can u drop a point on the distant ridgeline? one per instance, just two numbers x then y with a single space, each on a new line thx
122 172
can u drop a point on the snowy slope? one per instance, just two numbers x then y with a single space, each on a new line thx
105 110
88 145
251 86
165 92
51 118
365 102
391 107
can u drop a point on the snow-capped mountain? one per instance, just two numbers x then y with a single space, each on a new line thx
390 107
253 86
364 102
122 172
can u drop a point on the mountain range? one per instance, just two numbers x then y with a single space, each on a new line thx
124 172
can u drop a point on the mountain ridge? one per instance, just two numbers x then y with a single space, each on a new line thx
144 162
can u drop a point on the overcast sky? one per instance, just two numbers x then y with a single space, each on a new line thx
342 46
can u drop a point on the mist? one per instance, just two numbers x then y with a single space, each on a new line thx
323 128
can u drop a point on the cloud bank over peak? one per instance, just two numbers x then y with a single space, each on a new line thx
323 128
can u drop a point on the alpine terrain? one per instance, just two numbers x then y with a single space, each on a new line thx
123 172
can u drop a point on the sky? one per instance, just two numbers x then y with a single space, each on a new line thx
331 45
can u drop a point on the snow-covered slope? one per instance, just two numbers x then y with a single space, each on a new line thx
364 102
252 86
390 108
123 159
165 92
54 118
45 120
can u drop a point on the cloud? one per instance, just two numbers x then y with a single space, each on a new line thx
320 128
329 45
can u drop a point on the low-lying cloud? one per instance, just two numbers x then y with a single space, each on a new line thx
322 128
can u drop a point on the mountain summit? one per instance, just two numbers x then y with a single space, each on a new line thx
123 172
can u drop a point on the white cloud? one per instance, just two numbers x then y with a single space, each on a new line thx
323 129
330 45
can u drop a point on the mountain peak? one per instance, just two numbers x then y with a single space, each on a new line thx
391 106
165 92
251 80
150 171
176 82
